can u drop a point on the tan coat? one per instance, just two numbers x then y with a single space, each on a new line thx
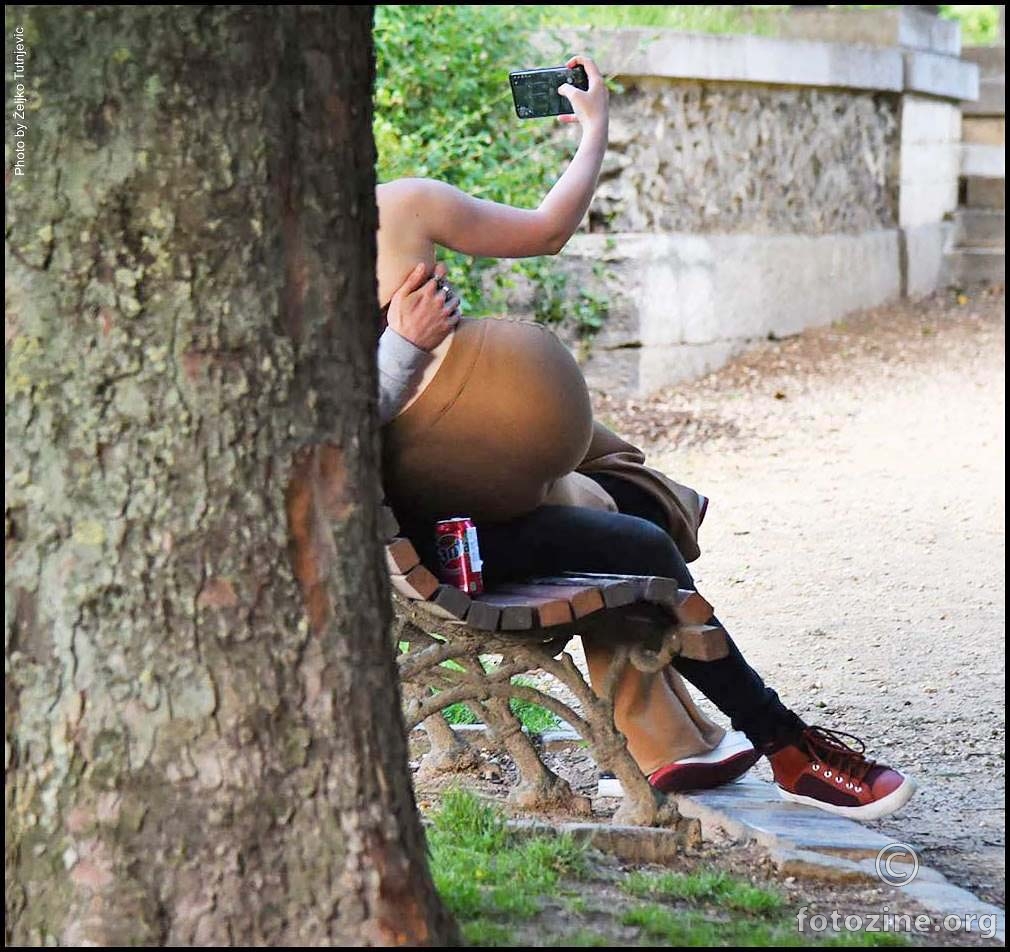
608 453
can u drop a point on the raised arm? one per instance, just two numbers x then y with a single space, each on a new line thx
453 219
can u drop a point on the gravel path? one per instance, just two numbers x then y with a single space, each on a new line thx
854 545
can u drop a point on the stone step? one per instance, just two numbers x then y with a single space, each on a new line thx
991 60
983 130
980 228
983 161
985 192
966 266
991 99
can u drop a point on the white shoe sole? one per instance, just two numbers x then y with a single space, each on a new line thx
732 745
894 801
735 742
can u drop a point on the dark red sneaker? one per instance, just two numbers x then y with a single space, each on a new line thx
821 770
734 756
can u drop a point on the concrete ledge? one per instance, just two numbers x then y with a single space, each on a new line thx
984 130
991 60
742 59
969 266
900 26
985 161
924 262
633 844
985 192
695 300
980 228
944 76
991 99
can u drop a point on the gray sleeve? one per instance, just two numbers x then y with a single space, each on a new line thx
401 365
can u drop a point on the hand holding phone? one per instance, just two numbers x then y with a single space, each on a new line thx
535 91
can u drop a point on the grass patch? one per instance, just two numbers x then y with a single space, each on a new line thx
712 886
497 883
483 871
459 713
692 928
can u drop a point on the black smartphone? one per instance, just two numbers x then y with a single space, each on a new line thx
535 91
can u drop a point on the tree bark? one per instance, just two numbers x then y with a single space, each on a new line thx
204 742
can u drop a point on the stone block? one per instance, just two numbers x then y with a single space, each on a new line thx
895 26
939 75
919 30
986 161
643 51
980 228
926 120
924 257
983 130
616 371
693 301
985 193
663 366
923 203
977 266
936 162
991 60
991 99
736 810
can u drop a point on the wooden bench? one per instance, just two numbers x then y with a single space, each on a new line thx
528 625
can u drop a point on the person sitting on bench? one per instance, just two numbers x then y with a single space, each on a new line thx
492 419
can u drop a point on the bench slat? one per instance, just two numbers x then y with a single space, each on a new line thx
689 607
616 592
703 642
449 602
486 617
417 584
583 600
548 611
401 556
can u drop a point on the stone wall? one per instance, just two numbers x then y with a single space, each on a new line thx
757 186
731 158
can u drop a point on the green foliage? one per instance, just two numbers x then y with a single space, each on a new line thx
482 934
688 18
535 718
979 22
482 871
691 928
459 713
443 110
704 886
494 881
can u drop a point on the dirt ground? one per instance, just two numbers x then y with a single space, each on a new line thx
854 545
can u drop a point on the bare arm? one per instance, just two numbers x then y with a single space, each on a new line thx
451 218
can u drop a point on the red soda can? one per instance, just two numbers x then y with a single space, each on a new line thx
459 560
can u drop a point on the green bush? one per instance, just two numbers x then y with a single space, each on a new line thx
443 110
979 22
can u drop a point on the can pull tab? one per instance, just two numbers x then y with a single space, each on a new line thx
473 548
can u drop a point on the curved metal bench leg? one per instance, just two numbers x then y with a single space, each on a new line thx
539 788
642 804
447 753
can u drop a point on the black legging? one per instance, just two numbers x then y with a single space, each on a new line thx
554 539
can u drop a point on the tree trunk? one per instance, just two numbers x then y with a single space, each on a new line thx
204 738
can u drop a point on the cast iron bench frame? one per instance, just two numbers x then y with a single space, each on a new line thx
528 625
